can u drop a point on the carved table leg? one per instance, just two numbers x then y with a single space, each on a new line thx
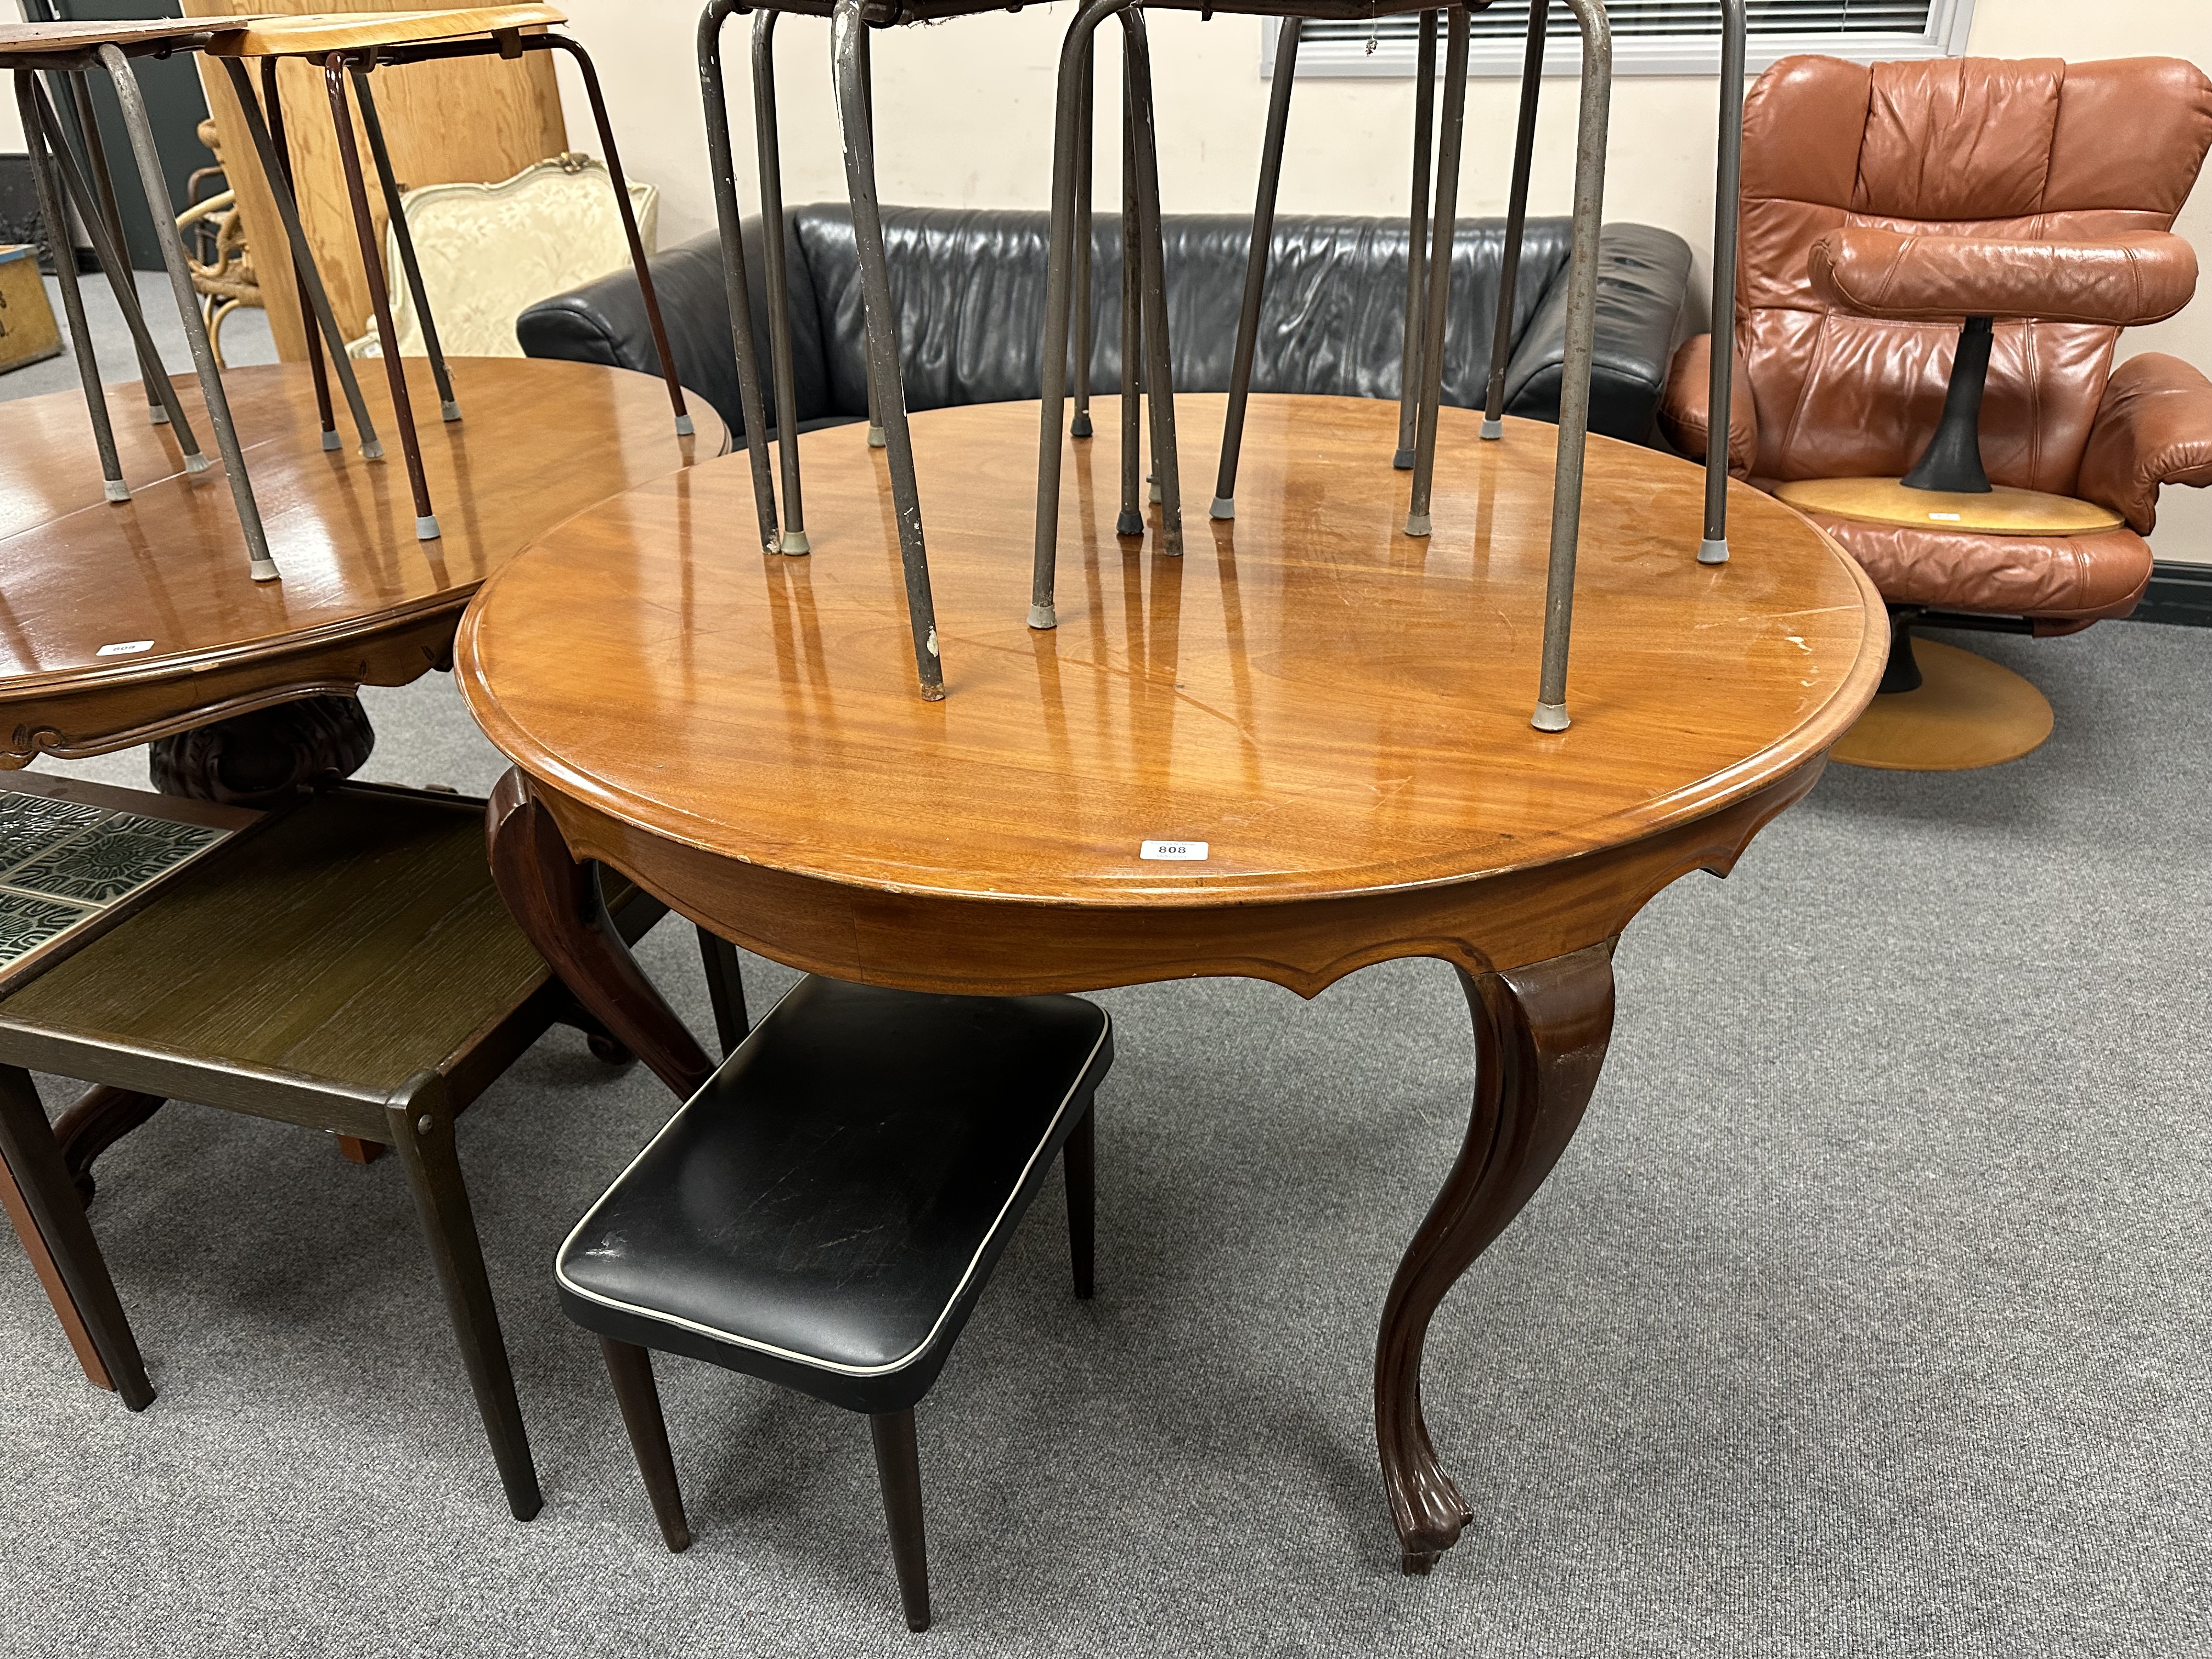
1540 1037
264 758
558 904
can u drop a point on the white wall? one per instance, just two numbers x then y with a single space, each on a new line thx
964 113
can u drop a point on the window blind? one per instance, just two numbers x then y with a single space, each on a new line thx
1508 20
1650 36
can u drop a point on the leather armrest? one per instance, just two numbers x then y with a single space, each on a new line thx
2143 277
1683 403
1643 274
2154 426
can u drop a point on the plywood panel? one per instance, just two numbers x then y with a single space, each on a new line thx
481 120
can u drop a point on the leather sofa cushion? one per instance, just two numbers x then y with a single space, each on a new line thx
2141 277
969 286
824 1211
2088 578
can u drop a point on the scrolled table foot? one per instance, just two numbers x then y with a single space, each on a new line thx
265 757
558 904
1541 1035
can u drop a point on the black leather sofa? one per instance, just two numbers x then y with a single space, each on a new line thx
970 284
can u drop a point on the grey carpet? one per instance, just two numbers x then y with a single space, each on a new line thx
1867 1314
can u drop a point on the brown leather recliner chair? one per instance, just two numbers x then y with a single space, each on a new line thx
1885 205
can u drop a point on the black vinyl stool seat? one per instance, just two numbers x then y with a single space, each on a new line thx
824 1212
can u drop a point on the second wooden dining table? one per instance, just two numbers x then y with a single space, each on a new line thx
1299 750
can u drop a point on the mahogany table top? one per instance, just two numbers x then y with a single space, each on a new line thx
121 623
1332 707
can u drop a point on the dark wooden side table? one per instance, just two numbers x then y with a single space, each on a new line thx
1301 748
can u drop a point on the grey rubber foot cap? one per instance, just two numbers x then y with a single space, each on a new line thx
197 465
426 527
117 490
1224 507
1417 524
373 450
684 427
1041 616
1129 524
794 543
1493 429
264 570
1713 552
1403 460
876 441
1156 498
156 416
1550 717
1080 425
450 409
330 441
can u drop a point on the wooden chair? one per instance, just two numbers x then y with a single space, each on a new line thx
346 965
825 1212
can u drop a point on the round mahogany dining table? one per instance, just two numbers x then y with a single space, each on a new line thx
1302 748
126 623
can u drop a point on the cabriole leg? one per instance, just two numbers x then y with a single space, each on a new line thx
1539 1039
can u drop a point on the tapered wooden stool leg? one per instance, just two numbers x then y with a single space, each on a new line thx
898 1471
725 989
421 1130
1079 1166
630 1369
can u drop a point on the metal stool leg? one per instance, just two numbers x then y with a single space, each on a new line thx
848 31
1551 713
1132 521
281 178
868 115
768 150
114 262
1255 266
395 371
736 289
103 182
1517 221
1078 425
1159 373
613 159
55 223
1439 273
395 215
1417 233
276 158
1052 349
1728 209
262 567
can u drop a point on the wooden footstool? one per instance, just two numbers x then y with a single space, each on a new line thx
824 1212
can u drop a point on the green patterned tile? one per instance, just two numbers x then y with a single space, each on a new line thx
27 923
117 858
32 825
